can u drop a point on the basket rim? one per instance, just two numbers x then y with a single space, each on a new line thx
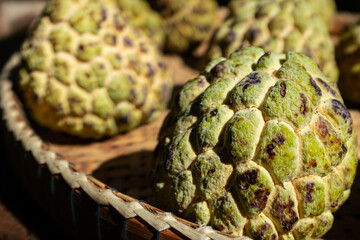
98 191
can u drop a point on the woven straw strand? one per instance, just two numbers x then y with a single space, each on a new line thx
89 188
208 231
148 217
118 204
184 229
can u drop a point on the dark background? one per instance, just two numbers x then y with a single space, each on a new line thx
348 5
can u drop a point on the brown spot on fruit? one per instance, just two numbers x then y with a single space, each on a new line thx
342 152
285 213
170 157
323 128
145 93
123 120
133 94
89 125
218 70
260 233
248 178
313 163
131 79
308 52
341 110
309 188
269 149
327 87
213 113
230 37
103 16
317 89
162 65
252 34
150 72
260 199
335 203
211 171
279 140
303 107
127 41
251 79
283 89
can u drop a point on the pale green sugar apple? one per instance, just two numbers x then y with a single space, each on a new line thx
277 26
259 144
325 8
348 59
86 71
186 23
142 16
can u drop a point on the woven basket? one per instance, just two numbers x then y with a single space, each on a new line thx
93 188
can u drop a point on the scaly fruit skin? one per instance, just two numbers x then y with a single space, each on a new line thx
348 59
276 26
86 71
142 16
325 8
259 144
187 23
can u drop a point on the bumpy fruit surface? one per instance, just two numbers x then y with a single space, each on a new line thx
277 26
325 8
187 23
142 16
348 59
86 71
259 144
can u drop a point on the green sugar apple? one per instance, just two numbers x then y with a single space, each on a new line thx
259 144
186 23
348 59
325 8
142 16
276 26
88 72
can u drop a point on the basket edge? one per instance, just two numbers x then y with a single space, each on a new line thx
125 205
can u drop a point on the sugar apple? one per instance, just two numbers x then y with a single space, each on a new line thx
86 71
187 23
142 16
325 8
277 26
259 144
348 59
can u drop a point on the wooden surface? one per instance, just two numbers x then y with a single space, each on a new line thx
11 227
